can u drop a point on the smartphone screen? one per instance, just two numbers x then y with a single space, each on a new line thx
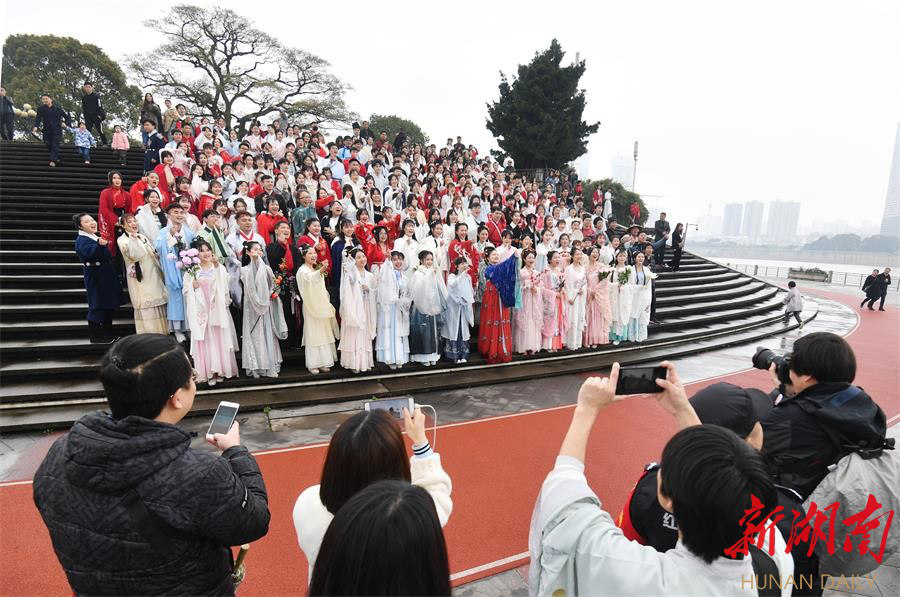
224 417
639 380
394 406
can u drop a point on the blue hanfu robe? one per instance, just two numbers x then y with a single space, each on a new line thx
104 292
174 277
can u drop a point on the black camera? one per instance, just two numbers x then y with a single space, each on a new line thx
764 358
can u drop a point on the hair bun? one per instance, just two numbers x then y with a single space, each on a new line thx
117 362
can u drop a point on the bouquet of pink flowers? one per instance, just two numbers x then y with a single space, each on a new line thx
187 260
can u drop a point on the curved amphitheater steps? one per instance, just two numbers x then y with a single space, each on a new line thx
48 366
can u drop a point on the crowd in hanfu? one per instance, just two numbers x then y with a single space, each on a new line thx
373 248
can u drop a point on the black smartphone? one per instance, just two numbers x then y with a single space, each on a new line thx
639 380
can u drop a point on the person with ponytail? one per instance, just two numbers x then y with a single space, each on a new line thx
206 301
146 285
320 326
117 473
262 320
358 318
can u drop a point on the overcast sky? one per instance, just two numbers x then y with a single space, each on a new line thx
730 101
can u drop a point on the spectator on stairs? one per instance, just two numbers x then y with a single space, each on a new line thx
175 237
149 181
150 112
146 286
114 203
151 217
167 171
50 118
206 300
100 279
84 141
155 142
120 144
93 111
7 115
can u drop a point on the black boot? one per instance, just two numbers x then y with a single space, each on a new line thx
97 334
108 333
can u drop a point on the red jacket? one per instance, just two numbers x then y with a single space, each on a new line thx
110 200
323 252
494 231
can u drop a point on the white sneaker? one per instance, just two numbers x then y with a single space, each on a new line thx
211 382
615 343
314 371
180 337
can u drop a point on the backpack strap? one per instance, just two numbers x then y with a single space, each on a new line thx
156 531
840 444
764 567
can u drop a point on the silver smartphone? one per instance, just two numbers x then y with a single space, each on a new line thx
394 406
223 419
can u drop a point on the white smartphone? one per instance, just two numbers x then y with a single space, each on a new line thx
223 419
394 406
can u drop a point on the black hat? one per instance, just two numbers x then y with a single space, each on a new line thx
355 125
731 406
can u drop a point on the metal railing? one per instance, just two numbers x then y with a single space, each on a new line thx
830 277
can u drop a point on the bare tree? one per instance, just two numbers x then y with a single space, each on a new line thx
219 63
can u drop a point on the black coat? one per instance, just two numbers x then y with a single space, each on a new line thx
90 106
883 282
51 118
212 502
660 228
872 287
795 443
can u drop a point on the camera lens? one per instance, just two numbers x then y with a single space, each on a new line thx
763 357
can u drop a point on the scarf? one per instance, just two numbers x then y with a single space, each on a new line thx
288 256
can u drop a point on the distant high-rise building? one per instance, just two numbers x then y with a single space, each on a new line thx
753 218
622 170
784 216
890 221
731 221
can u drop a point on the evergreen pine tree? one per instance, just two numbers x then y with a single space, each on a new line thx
538 118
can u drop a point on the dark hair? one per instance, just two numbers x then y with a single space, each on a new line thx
387 540
208 212
141 372
792 284
76 219
199 242
245 257
366 448
710 473
825 356
111 173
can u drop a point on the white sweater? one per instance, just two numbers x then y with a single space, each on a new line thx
311 519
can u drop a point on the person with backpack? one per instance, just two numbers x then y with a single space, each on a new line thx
707 477
819 416
131 508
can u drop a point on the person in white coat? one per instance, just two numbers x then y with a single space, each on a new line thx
366 448
793 304
577 549
393 301
576 301
358 318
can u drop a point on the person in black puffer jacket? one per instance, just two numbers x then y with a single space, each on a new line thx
131 508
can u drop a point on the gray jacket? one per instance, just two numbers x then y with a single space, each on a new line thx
793 301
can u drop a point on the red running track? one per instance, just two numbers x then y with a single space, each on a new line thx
497 466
